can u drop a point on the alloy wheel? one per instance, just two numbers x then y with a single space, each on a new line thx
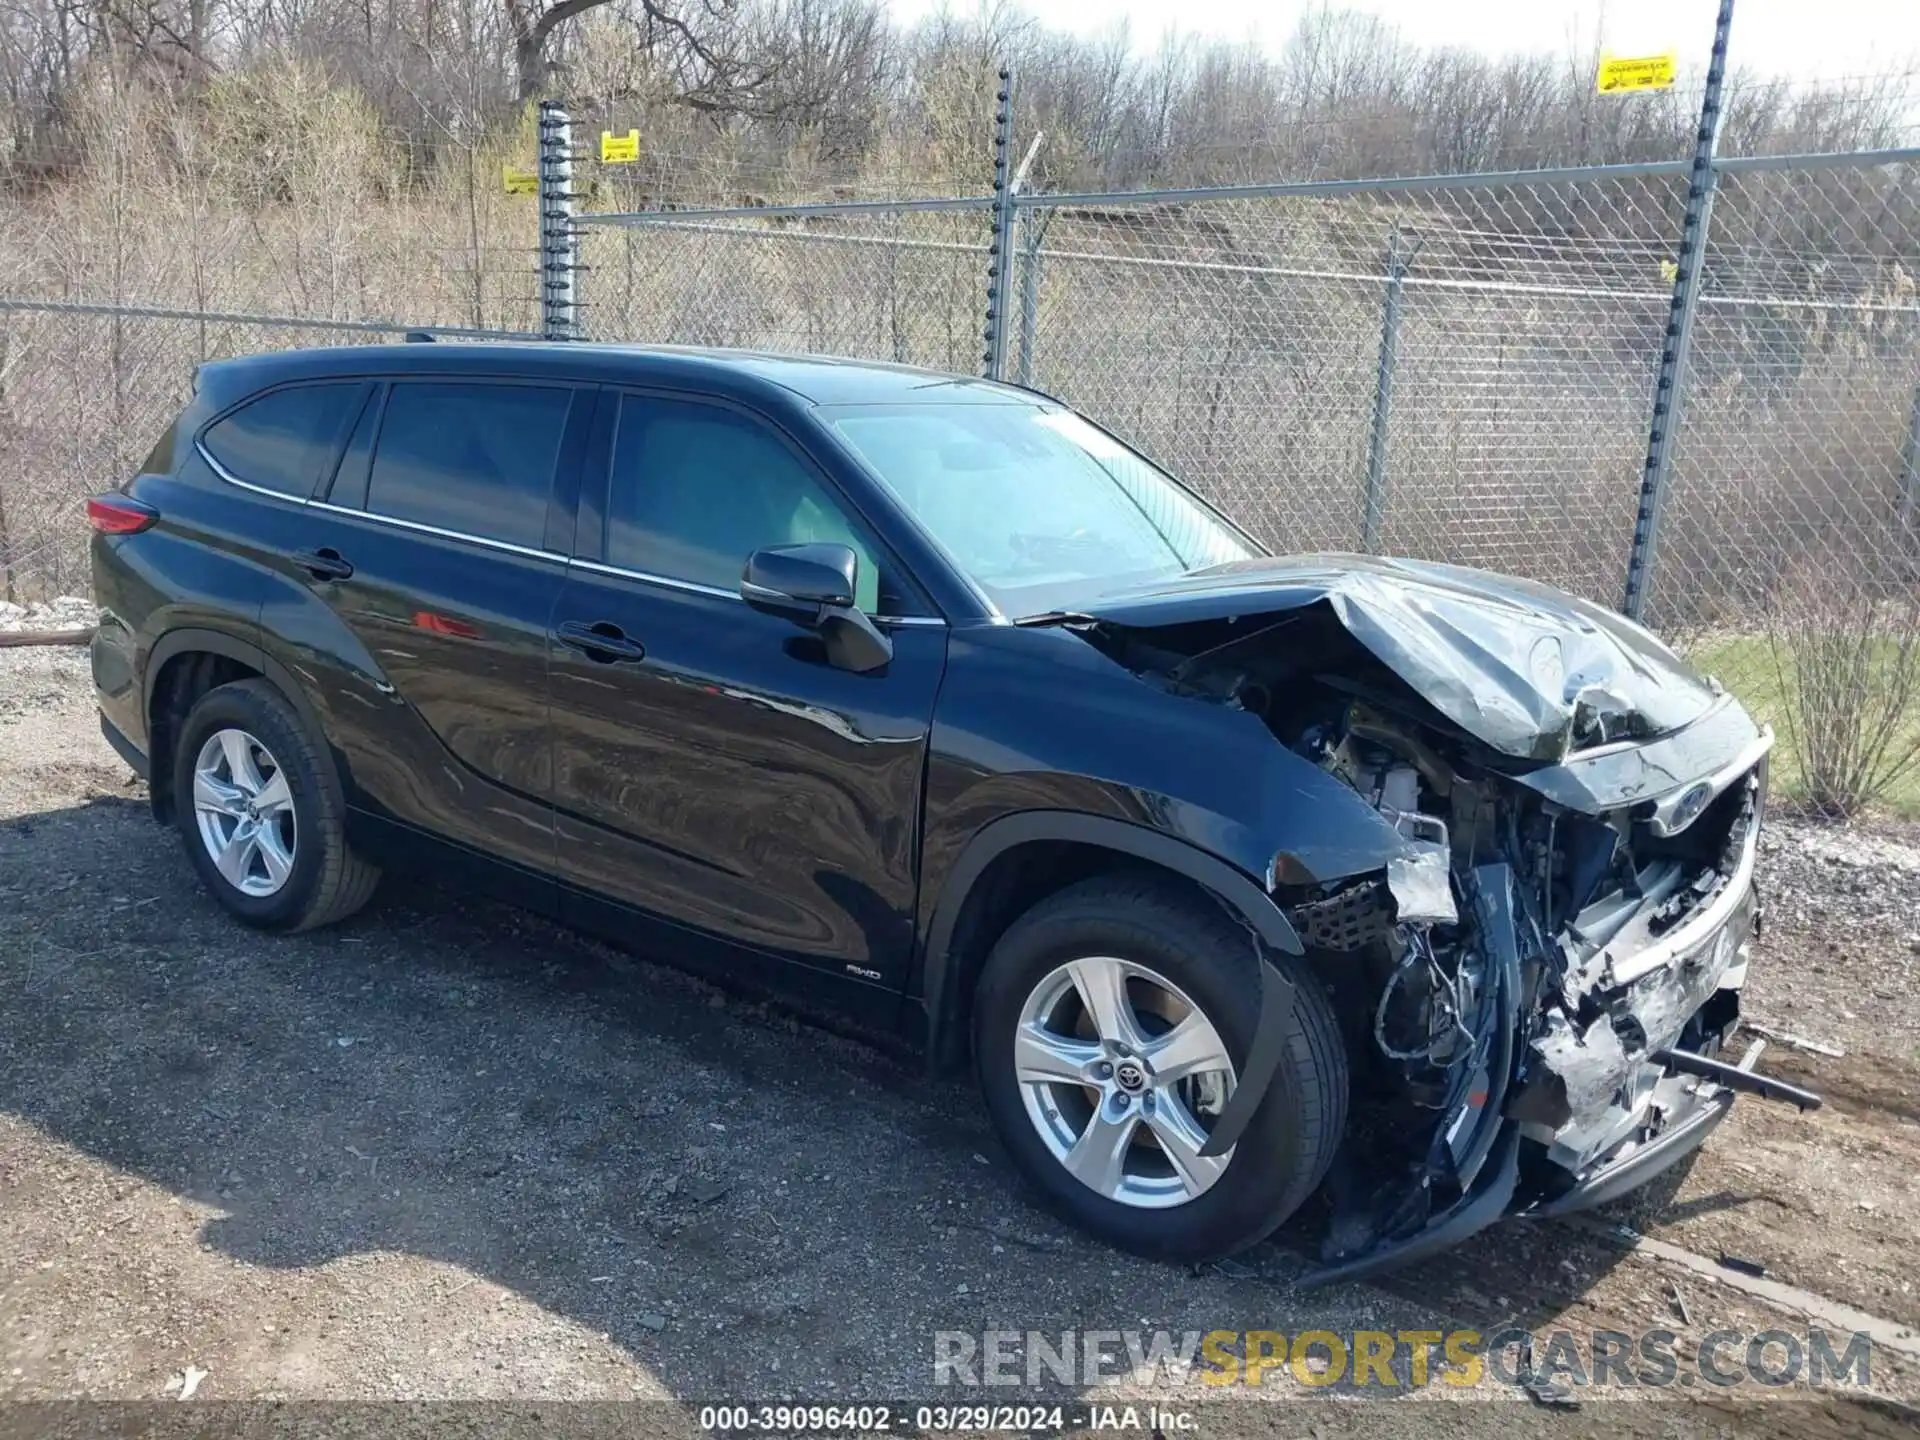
244 809
1123 1077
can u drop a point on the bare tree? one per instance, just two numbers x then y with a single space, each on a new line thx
692 30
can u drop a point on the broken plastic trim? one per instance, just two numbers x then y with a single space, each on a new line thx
1699 928
1468 1216
1421 884
1684 1134
1489 1168
1263 1059
1737 1077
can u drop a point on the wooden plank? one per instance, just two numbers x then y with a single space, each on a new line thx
11 638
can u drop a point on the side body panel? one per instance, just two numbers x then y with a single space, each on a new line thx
428 668
734 782
722 777
201 568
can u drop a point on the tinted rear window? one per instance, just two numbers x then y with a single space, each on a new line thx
477 459
282 439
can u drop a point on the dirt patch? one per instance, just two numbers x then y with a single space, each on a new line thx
449 1151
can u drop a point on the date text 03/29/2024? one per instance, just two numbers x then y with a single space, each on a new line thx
939 1419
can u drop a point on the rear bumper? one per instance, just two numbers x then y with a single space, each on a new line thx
115 659
123 747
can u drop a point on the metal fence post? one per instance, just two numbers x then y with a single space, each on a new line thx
993 359
559 240
1375 503
1670 383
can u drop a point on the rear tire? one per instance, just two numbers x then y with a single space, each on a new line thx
261 813
1177 956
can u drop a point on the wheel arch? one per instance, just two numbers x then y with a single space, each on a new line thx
224 658
1015 861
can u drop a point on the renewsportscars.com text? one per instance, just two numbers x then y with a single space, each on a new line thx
1401 1359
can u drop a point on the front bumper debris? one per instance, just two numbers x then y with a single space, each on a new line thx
1638 1161
1696 1106
1580 1091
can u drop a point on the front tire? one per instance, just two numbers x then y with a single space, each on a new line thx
1110 1025
261 815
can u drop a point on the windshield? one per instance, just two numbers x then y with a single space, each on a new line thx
1041 508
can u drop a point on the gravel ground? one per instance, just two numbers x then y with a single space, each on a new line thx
448 1151
68 612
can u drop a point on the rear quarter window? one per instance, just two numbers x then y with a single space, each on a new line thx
282 439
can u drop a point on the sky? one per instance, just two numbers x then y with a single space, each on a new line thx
1807 39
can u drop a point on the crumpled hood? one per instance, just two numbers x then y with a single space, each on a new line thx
1527 669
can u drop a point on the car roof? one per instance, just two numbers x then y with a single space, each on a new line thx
816 379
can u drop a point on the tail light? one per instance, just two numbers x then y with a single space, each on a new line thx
120 515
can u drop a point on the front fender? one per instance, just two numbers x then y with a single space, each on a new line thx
1039 736
1039 720
1241 894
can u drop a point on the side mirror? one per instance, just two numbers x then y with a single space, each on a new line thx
812 585
798 581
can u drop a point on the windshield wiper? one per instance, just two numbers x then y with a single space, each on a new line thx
1055 617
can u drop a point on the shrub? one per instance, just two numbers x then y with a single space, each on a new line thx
1846 653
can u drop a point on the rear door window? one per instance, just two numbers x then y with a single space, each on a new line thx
476 459
283 439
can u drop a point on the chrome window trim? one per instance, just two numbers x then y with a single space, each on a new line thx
421 527
692 586
696 588
233 479
396 521
644 577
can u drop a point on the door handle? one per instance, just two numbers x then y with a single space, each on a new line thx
326 563
602 641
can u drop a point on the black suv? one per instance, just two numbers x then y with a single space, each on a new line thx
927 699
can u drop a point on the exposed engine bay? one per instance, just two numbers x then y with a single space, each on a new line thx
1536 985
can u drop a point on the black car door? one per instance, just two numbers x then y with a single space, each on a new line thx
430 561
711 768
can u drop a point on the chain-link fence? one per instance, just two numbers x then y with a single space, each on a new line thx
1797 447
1456 368
284 225
84 392
905 286
1457 374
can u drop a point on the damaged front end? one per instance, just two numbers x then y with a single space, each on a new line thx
1537 973
1525 973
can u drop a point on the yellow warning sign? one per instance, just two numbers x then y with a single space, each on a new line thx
619 149
516 181
1620 74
